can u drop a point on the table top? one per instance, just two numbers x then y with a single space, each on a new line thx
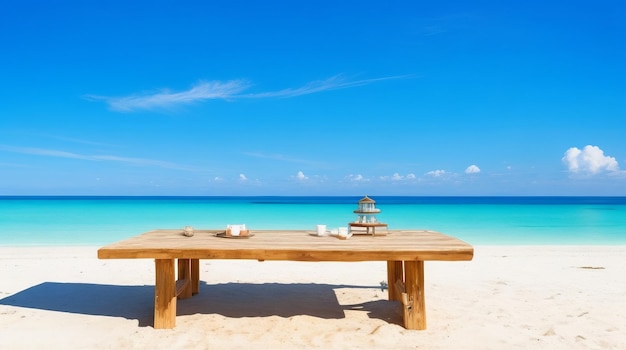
296 245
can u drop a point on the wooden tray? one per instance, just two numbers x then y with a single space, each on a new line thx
228 235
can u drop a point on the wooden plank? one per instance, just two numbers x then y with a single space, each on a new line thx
400 292
407 245
164 294
395 273
184 274
181 286
415 315
195 276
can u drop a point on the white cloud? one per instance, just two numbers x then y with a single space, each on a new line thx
472 169
165 99
436 173
398 177
226 91
356 178
243 177
137 161
44 152
63 154
301 176
339 81
590 160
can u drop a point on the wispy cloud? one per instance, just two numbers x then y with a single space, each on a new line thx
43 152
63 154
283 158
165 99
398 177
81 141
453 22
333 83
65 139
228 90
141 161
437 173
356 178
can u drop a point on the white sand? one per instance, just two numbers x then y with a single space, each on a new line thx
548 297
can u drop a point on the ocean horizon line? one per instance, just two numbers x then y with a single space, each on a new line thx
301 196
343 199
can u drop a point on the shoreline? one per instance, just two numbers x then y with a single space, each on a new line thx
509 296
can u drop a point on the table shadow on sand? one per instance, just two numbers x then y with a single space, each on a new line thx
228 299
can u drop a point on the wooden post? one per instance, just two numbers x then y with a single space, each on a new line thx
164 294
195 276
184 274
415 317
395 272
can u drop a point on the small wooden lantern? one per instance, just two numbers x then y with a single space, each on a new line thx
366 217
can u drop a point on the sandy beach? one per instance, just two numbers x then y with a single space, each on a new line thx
508 297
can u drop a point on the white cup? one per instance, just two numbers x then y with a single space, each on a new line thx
235 230
342 231
321 230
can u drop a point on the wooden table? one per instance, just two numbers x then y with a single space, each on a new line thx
404 251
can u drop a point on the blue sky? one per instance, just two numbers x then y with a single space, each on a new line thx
313 98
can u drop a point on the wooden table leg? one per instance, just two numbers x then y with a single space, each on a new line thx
395 272
184 276
195 276
164 294
415 317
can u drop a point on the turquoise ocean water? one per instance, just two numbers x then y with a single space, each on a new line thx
477 220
